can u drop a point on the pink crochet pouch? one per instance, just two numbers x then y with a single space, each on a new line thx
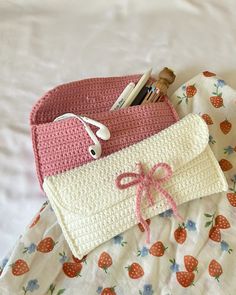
63 145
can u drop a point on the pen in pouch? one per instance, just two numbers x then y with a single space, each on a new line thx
121 99
143 80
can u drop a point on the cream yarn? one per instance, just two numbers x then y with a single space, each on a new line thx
91 210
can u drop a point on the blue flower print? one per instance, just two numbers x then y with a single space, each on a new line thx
174 266
30 249
211 139
167 213
225 247
229 150
143 252
234 178
119 240
99 290
220 83
147 290
63 258
32 285
191 225
184 87
4 262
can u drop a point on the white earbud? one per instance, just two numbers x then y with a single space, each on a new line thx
103 132
96 149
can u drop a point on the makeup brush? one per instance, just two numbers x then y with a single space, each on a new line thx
166 77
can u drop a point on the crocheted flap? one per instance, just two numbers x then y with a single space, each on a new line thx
91 209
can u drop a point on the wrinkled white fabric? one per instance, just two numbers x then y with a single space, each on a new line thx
45 43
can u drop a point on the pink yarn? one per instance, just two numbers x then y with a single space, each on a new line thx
61 146
145 182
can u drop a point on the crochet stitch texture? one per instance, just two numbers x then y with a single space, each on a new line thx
60 146
90 208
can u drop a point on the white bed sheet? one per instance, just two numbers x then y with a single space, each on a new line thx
46 43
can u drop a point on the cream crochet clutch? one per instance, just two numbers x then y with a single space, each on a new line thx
91 209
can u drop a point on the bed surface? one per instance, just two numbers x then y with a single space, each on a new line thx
43 44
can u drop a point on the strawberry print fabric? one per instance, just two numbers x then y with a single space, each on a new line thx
195 257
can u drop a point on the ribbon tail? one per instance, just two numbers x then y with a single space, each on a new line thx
150 198
139 214
171 202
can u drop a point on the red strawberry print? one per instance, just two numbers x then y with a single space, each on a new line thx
232 195
19 267
225 126
185 278
215 269
217 101
222 222
72 269
105 261
108 291
77 260
218 223
208 74
214 234
141 226
180 234
35 221
157 249
207 119
190 263
232 199
135 271
46 245
225 165
191 90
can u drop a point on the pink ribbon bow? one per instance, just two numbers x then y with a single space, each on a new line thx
145 183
